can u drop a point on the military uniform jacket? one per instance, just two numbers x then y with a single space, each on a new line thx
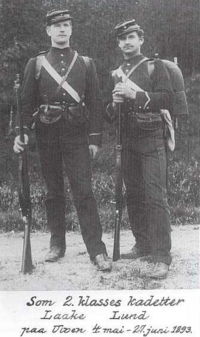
82 78
158 93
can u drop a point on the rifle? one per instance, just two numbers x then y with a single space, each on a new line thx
118 187
10 126
24 188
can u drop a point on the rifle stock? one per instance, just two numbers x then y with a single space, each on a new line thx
118 188
24 189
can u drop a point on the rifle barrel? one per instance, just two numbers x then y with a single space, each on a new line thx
118 188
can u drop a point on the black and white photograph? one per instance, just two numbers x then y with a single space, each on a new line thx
100 166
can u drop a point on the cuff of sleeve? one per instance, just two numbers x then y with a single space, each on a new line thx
95 139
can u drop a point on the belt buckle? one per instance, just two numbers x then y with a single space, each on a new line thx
46 118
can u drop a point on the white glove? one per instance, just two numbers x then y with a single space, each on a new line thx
123 91
18 146
93 150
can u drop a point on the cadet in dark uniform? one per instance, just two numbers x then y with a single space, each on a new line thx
142 87
62 87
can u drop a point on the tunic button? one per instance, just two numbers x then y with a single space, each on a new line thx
62 62
63 69
64 94
61 55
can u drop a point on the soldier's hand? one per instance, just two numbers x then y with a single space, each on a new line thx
18 145
93 150
123 90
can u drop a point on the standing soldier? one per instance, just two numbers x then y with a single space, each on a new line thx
142 88
62 87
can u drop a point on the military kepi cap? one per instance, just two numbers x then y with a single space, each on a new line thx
127 27
56 16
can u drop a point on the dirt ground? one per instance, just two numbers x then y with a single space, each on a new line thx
75 272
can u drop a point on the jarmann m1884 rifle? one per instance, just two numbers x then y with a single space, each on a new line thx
24 188
118 187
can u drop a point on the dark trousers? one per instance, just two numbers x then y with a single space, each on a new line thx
145 174
56 149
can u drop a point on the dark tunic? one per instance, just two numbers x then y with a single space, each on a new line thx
83 79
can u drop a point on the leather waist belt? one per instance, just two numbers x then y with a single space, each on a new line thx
60 105
145 121
51 113
148 117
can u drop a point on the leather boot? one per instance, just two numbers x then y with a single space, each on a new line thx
136 253
54 254
157 270
56 222
102 262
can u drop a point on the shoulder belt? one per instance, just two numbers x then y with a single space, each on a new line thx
125 78
60 80
119 71
136 66
68 71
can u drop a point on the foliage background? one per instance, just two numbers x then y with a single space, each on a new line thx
172 29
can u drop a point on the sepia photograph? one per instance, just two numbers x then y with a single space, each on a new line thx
100 145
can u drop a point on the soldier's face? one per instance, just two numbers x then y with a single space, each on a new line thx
60 32
130 43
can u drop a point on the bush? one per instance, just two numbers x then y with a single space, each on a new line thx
184 195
